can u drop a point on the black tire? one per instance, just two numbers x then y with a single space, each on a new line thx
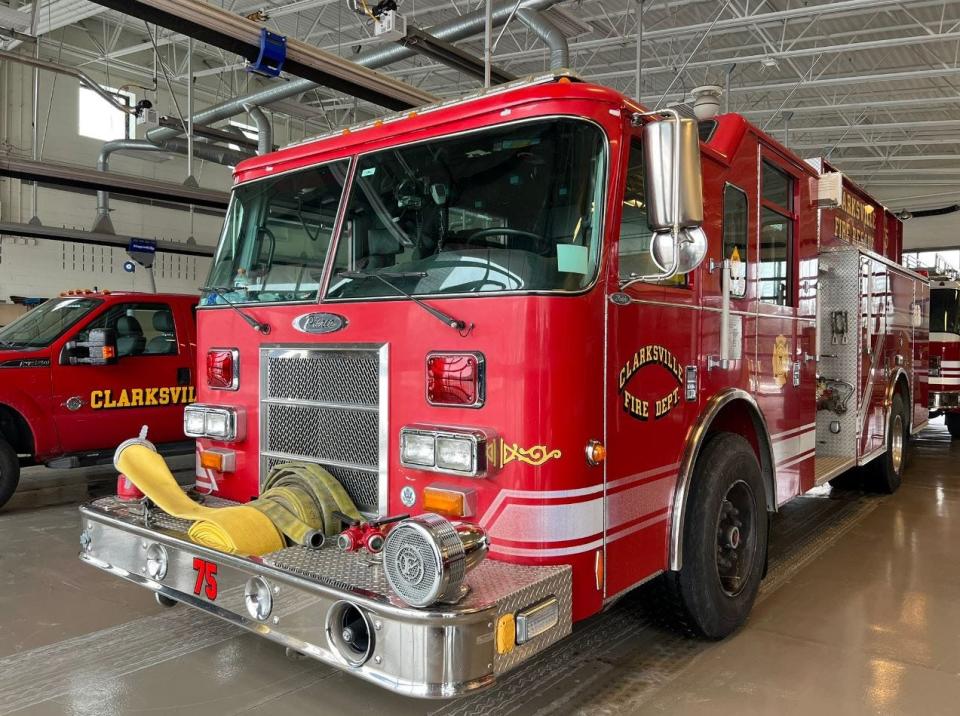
886 472
953 424
9 471
712 600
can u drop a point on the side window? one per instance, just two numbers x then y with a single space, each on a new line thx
635 234
735 237
775 273
143 329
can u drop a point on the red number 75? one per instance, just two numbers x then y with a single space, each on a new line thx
206 578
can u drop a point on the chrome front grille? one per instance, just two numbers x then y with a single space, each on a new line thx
327 405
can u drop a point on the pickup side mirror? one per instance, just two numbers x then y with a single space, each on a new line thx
100 348
674 188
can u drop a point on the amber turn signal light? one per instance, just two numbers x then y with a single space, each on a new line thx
596 452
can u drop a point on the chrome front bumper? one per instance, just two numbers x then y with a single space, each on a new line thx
440 652
946 400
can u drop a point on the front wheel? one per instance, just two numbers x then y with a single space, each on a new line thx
9 471
724 539
953 424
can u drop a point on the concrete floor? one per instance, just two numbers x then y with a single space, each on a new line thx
859 614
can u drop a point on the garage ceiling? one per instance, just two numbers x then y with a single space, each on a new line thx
871 83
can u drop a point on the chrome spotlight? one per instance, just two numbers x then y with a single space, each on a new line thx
426 559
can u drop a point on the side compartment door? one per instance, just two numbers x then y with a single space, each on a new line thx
97 407
653 330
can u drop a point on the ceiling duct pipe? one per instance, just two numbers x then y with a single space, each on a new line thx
456 29
82 77
550 34
264 130
220 155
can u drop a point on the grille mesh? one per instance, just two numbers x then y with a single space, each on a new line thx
344 430
326 376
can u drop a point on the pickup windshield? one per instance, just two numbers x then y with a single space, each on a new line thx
275 237
511 208
944 310
45 323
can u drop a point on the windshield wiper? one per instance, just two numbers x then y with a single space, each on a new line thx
254 323
454 323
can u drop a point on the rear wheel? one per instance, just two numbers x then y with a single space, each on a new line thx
724 539
9 471
887 470
953 424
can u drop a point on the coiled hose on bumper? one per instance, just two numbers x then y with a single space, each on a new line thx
297 503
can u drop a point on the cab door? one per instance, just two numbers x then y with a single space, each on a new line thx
653 330
97 407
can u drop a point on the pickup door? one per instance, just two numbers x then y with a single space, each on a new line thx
97 407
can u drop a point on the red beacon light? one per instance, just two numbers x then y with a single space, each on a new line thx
223 368
455 379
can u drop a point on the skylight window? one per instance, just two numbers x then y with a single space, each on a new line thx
98 119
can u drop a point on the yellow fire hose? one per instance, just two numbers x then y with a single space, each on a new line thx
298 501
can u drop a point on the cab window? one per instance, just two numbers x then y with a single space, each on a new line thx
775 269
635 234
143 329
735 237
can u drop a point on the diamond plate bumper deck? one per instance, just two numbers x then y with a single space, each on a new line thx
443 651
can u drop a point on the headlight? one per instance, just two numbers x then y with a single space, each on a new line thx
417 449
211 421
455 454
449 450
426 559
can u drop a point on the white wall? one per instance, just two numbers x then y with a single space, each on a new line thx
30 267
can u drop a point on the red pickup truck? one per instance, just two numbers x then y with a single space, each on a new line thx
80 373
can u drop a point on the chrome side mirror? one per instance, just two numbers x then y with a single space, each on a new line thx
674 194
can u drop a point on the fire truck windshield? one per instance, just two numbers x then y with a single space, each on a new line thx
944 310
45 323
515 207
275 237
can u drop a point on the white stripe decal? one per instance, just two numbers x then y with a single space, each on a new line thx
797 460
944 338
625 506
637 527
945 381
791 447
785 433
549 523
549 552
579 492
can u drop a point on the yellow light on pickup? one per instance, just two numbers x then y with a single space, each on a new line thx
445 502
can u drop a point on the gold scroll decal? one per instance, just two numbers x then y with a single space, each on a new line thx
501 453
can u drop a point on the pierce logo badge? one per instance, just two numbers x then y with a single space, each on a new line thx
319 322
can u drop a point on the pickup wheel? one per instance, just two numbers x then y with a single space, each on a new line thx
953 424
724 540
886 472
9 471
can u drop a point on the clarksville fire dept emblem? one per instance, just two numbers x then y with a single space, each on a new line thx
781 359
662 403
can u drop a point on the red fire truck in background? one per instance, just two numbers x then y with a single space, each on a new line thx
79 371
613 340
945 349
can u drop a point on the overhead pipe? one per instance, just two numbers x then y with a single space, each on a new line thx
84 79
550 34
209 152
264 130
456 29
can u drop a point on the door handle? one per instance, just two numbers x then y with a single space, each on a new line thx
807 357
183 376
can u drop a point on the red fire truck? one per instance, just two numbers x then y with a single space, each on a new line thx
79 370
602 343
945 350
